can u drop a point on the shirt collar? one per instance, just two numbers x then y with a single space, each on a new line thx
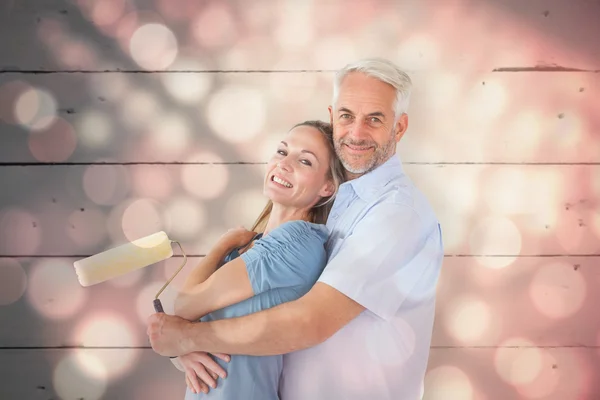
370 184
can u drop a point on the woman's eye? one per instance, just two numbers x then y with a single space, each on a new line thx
281 152
306 162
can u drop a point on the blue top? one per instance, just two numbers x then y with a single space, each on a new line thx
282 266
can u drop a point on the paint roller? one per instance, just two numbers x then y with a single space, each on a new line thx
126 258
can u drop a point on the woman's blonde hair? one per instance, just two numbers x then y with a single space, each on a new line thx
320 211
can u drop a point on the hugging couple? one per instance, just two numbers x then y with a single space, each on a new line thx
331 294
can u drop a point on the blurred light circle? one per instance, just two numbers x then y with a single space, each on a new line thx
108 331
418 52
568 132
114 223
295 28
139 107
544 385
106 184
95 129
13 281
56 143
76 54
10 93
269 146
573 235
183 10
545 196
210 236
454 229
106 12
237 114
214 26
205 181
86 228
447 382
518 361
442 88
141 218
557 290
80 375
170 134
468 319
153 46
244 207
333 51
145 300
35 109
495 236
189 87
187 217
486 102
153 181
504 190
390 347
54 291
596 223
293 90
522 136
20 232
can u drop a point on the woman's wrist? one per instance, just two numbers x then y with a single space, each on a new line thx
220 251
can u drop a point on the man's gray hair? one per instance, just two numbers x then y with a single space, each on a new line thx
383 70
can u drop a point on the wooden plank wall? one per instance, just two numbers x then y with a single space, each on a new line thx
121 118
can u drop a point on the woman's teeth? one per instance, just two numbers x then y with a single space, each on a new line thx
282 182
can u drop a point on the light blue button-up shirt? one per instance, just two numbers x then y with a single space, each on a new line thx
384 252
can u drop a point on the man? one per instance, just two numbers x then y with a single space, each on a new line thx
364 329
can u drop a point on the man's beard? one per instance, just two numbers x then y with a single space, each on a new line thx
379 156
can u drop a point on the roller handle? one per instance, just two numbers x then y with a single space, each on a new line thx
158 306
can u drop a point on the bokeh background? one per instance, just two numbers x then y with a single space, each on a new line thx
121 118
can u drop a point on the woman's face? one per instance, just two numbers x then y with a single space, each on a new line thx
297 174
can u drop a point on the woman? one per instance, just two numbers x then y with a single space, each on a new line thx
278 263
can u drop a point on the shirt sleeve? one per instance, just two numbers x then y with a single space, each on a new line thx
293 255
386 255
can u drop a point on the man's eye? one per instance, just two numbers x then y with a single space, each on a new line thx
345 116
375 120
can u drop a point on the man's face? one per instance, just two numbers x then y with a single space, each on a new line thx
364 130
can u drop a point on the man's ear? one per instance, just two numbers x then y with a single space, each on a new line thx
330 108
401 127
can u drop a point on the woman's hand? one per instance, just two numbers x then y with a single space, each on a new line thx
201 371
236 237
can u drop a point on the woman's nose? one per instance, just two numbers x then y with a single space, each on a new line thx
284 166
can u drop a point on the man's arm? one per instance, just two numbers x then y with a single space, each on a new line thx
377 272
288 327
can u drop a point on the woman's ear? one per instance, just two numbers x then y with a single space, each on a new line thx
328 189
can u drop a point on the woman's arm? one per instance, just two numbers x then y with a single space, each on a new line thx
228 285
208 265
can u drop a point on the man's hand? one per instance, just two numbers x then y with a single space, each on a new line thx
168 334
202 371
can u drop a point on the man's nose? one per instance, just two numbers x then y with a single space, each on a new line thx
358 130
